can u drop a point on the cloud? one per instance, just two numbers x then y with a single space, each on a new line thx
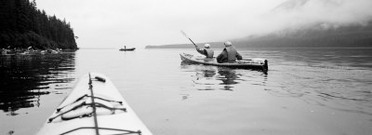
296 14
112 23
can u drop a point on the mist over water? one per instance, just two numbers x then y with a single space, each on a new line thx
310 14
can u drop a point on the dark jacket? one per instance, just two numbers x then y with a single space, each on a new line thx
229 54
207 52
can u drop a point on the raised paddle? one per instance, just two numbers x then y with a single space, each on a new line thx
188 38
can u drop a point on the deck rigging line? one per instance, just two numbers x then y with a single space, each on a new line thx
86 95
94 106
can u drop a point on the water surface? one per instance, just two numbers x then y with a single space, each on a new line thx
306 90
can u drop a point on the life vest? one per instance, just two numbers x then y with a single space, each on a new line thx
209 53
231 53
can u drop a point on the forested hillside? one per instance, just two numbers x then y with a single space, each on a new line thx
23 25
314 36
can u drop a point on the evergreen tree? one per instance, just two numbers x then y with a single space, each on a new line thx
23 25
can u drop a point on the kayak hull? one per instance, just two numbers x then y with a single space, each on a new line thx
113 114
255 63
128 49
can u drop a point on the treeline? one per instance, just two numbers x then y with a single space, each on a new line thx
23 25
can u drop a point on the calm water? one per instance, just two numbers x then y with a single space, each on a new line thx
306 90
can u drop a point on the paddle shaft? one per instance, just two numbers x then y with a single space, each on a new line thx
189 38
193 42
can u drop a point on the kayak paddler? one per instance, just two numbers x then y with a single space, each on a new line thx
206 51
228 54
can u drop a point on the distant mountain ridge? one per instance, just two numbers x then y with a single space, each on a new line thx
315 36
323 30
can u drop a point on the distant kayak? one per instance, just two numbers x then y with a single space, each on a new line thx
255 63
127 49
94 107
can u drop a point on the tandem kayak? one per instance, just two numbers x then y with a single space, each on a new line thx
255 63
94 107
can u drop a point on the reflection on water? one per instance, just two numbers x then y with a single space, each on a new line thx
319 91
24 78
219 78
227 76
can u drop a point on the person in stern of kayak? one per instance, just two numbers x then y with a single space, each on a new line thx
206 51
229 54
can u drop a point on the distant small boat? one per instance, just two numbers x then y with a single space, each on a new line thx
127 49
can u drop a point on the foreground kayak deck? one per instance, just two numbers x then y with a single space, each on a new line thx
255 63
75 115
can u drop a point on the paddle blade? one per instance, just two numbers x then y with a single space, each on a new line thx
188 37
184 34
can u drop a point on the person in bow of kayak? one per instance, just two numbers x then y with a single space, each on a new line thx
206 51
228 54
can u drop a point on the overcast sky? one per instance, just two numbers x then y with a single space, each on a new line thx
137 23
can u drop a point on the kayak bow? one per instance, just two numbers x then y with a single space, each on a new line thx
94 107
